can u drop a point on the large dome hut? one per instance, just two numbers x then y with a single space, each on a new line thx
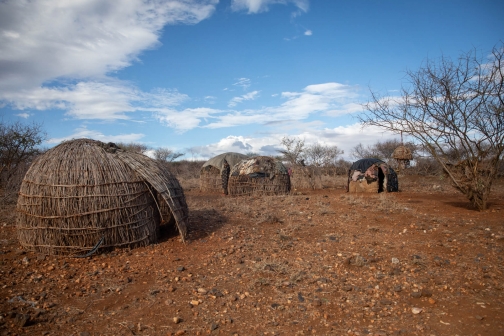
260 175
214 174
84 194
372 176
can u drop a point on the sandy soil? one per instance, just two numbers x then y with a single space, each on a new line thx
316 262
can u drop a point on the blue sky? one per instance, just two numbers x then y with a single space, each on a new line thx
209 76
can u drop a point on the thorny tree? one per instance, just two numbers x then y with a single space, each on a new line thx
164 154
294 150
18 144
455 109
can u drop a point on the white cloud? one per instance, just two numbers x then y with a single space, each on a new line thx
318 98
110 100
248 96
345 137
46 41
244 83
83 132
308 33
183 120
23 115
257 6
233 143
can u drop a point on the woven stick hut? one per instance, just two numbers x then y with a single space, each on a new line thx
214 174
402 155
82 192
371 176
260 175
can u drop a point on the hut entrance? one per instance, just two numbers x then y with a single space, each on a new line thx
381 179
371 176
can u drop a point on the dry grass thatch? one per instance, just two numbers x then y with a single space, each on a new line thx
261 175
210 179
83 191
402 153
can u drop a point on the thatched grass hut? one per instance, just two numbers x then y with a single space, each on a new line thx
372 176
402 155
214 174
82 192
260 175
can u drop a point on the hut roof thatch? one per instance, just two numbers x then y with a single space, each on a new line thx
402 153
259 166
230 157
83 191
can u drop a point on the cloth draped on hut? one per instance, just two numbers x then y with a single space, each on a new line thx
222 163
219 161
259 167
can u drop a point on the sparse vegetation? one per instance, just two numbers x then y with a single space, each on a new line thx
455 110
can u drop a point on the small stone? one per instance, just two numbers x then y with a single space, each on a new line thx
416 295
180 332
397 288
214 326
395 261
432 301
426 293
177 320
168 302
181 268
416 310
22 320
194 302
48 305
386 302
202 291
317 303
300 297
347 288
478 317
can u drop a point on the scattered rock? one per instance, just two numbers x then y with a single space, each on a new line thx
416 310
177 320
416 295
22 320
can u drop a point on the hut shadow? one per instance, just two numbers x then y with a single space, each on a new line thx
204 222
468 206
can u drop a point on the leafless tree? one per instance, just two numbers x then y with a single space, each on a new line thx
133 147
165 154
455 109
382 150
322 156
18 143
293 151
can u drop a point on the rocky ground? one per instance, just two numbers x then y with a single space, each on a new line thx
316 262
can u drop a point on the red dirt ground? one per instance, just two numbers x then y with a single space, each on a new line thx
316 262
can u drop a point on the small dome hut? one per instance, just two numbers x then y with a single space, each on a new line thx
260 175
83 193
372 176
402 155
214 174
